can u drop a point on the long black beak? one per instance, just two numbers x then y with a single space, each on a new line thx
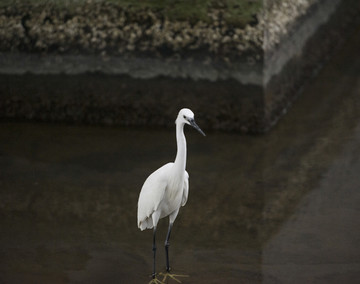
193 124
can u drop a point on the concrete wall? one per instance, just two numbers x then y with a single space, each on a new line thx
240 80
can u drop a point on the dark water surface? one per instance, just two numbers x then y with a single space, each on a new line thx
279 208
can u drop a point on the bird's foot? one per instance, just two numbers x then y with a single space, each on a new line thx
154 280
169 275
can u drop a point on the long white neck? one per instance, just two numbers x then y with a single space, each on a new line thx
180 160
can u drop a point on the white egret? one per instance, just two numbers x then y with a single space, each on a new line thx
166 190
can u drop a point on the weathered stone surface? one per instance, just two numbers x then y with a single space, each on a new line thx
107 28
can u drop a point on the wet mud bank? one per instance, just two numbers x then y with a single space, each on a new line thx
101 65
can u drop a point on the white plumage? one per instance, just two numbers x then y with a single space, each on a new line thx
162 192
167 189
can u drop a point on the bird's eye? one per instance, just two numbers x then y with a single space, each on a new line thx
185 116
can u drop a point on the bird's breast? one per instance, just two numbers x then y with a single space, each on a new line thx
174 193
175 189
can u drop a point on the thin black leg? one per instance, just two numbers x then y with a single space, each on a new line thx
154 251
167 247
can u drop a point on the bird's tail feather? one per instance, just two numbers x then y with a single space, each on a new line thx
146 224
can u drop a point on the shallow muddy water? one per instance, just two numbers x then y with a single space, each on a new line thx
276 208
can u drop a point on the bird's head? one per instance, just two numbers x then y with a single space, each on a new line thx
186 116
